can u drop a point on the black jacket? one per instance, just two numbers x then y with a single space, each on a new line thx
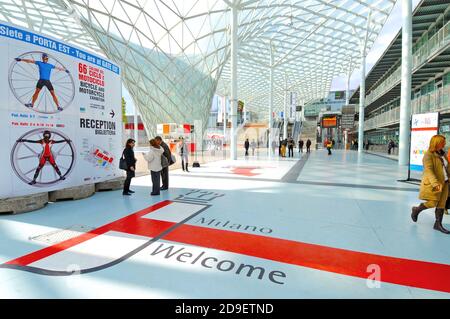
167 152
129 157
246 144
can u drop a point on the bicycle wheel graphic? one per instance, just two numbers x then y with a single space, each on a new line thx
25 157
23 78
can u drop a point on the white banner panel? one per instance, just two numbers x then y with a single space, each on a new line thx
60 114
423 128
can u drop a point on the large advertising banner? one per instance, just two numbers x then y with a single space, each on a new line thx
423 127
60 114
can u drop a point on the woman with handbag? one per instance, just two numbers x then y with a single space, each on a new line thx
183 151
130 165
153 157
434 185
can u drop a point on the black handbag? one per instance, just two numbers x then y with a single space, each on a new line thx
164 161
123 163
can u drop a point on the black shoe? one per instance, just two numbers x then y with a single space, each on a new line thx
132 192
438 223
154 194
164 188
126 194
32 183
62 178
415 211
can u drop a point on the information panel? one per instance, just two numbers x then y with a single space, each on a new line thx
329 122
423 127
60 114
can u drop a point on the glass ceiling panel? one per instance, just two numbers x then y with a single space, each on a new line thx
175 53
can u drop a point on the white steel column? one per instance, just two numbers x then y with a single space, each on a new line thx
362 87
405 95
271 100
224 121
234 57
347 91
362 101
285 117
136 126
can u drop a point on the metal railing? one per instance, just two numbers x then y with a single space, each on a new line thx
435 43
437 101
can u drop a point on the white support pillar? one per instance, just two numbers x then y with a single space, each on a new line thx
362 102
225 122
234 99
347 89
136 126
362 87
271 100
285 117
405 94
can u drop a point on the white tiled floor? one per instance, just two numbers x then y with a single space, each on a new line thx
357 216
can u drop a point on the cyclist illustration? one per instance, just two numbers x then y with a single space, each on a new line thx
45 70
46 155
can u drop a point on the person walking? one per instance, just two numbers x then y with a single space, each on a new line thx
165 170
274 146
183 151
308 146
246 146
283 147
434 185
329 145
300 146
253 146
279 148
391 146
153 158
291 144
130 160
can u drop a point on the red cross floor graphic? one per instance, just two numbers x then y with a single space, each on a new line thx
166 221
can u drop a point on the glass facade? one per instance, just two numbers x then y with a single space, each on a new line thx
174 55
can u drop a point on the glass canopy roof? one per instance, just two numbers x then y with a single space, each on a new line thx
175 54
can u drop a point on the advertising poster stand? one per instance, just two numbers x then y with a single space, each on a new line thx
430 129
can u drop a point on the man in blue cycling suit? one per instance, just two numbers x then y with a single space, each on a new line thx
45 70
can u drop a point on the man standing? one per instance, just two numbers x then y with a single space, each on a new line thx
246 145
300 146
308 146
291 144
45 70
165 171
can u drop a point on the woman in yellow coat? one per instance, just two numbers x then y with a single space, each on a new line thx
434 188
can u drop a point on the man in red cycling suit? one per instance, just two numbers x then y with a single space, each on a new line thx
46 155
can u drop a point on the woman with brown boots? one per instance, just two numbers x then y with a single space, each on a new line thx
434 188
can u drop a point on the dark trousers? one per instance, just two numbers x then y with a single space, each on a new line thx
308 149
291 152
329 150
246 152
156 182
126 184
182 165
165 177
